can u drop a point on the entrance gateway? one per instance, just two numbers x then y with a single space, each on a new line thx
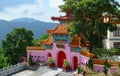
61 57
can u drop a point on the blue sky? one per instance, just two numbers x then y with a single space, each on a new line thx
38 9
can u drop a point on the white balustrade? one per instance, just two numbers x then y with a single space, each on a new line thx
12 69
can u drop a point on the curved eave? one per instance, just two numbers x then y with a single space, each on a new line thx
59 29
47 41
101 62
35 48
61 18
74 46
87 54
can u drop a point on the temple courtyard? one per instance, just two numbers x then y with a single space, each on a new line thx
44 71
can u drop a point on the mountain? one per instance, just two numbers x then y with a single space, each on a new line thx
38 27
26 20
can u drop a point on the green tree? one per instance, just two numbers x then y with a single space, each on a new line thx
1 49
3 61
87 18
15 44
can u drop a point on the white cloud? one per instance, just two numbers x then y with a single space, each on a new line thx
41 10
56 3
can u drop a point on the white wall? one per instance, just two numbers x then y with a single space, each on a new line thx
111 39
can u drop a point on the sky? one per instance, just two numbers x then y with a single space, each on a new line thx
41 10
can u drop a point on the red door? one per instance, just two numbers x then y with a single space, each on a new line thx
75 61
49 55
61 57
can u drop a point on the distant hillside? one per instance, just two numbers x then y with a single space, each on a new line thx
38 27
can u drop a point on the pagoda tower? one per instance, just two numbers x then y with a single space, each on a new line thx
64 20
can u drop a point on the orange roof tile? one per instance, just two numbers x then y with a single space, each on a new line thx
77 42
87 54
35 48
60 29
98 61
101 62
47 41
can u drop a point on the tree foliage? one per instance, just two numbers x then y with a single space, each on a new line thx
15 44
3 61
87 18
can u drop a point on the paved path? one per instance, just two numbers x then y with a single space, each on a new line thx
26 73
44 71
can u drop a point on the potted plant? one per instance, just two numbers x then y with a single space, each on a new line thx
30 61
50 62
78 70
66 65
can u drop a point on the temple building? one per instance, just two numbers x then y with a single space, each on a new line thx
60 45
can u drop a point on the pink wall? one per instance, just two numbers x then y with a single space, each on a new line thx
54 52
82 60
37 53
100 68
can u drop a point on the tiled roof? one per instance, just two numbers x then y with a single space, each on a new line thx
60 29
98 61
114 22
35 48
101 62
77 42
48 41
87 54
62 18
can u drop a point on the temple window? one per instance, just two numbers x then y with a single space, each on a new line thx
116 44
48 47
60 46
75 49
38 56
117 33
61 38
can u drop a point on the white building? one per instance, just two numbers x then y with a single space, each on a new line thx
113 39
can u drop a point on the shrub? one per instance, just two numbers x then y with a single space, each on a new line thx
106 66
90 63
79 69
30 61
50 60
65 63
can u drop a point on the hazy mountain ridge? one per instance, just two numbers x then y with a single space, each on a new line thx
38 27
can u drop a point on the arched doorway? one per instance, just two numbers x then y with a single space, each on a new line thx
75 62
61 57
49 55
